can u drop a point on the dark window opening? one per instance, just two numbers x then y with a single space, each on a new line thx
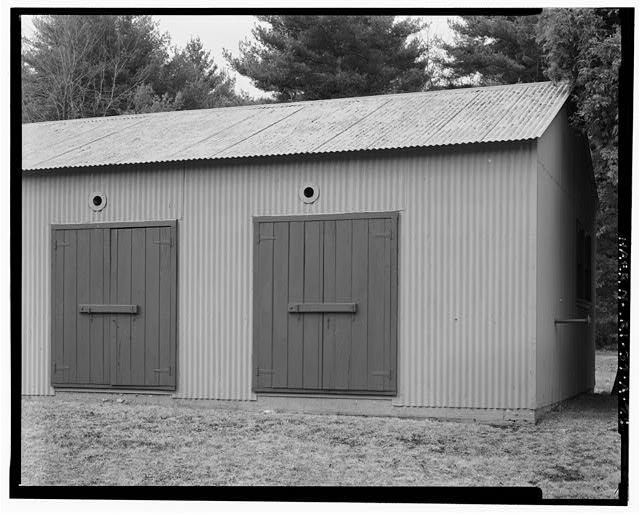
583 265
587 268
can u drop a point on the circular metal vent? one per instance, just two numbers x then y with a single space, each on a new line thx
309 193
97 201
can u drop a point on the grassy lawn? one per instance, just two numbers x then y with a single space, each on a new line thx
92 439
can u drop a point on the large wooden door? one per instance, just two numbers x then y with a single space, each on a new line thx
325 301
114 305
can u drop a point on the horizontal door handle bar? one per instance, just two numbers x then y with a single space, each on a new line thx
109 308
322 307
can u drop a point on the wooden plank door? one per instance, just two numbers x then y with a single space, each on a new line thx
321 263
358 350
97 269
143 272
80 342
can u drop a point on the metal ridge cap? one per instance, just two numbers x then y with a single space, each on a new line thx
280 105
116 117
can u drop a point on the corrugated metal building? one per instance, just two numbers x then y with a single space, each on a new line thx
423 254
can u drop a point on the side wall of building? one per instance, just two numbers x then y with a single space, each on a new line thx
467 261
565 351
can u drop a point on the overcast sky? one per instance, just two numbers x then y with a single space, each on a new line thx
226 31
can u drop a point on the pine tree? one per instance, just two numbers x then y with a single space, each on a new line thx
492 50
315 57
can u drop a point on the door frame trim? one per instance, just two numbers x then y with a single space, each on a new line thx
115 225
326 216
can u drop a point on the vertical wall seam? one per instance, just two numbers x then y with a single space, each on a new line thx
368 303
144 342
131 319
321 297
304 273
288 290
90 322
273 255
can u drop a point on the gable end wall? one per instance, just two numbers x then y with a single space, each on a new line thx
564 352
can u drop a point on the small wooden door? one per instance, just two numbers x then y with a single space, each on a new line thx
114 305
325 301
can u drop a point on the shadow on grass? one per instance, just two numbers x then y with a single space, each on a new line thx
589 405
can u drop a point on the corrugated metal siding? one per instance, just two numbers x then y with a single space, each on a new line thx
466 317
446 117
137 194
466 264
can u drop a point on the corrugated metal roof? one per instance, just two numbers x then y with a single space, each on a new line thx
445 117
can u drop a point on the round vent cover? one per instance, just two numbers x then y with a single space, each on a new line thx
97 201
309 193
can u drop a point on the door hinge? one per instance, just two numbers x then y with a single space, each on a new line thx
164 242
56 368
382 235
162 370
383 373
260 238
264 371
57 244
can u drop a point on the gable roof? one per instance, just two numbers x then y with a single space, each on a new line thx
410 120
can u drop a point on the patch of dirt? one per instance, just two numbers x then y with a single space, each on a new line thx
606 367
561 473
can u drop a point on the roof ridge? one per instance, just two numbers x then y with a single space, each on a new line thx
279 105
116 117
